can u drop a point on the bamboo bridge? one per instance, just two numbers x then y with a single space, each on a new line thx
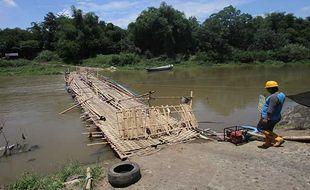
128 125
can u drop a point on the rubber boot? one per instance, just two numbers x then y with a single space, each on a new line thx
268 140
279 141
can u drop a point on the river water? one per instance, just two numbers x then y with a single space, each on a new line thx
30 106
223 97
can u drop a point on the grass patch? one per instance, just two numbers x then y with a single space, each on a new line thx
127 62
194 64
30 181
27 67
280 126
121 59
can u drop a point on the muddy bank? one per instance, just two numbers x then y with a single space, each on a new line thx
222 165
297 117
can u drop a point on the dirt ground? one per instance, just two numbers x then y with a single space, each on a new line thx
202 164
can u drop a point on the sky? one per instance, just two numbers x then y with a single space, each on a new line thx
20 13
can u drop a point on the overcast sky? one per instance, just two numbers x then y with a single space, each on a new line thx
20 13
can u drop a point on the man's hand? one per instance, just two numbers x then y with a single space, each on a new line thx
264 121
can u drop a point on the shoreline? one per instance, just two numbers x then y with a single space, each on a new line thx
32 68
202 164
171 155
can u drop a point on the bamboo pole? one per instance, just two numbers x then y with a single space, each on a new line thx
191 103
89 179
87 133
74 106
99 143
137 97
166 97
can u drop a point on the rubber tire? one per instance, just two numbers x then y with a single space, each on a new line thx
125 179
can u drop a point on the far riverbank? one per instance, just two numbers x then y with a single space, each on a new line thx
22 67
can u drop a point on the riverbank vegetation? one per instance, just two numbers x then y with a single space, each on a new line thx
159 36
25 67
29 67
56 180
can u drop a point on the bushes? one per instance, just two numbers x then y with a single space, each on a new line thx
124 59
99 60
54 181
289 53
252 56
202 57
32 181
293 52
27 67
14 63
113 59
243 56
47 55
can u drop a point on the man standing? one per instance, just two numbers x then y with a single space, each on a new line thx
271 115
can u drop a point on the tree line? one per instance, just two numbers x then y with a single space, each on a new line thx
228 35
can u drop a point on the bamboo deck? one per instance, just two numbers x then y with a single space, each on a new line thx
128 125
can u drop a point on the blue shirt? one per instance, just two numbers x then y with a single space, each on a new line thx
273 105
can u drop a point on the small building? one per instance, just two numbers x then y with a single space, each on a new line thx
11 55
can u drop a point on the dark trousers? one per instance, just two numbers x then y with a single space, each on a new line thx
266 126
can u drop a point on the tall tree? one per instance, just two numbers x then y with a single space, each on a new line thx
162 30
49 27
231 26
266 39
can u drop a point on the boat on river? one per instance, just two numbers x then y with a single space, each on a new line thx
161 68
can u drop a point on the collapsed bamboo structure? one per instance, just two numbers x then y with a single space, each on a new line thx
128 125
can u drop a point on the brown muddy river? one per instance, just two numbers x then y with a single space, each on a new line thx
30 105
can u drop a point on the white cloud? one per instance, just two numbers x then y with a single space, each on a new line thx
87 5
122 12
202 9
10 3
306 9
124 21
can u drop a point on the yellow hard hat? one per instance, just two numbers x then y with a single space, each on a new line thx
271 84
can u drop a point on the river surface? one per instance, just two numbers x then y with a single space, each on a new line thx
222 98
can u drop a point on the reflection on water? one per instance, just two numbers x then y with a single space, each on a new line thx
30 105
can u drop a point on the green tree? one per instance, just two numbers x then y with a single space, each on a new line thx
29 48
195 28
36 33
266 39
162 30
10 39
226 35
293 52
68 50
231 26
49 28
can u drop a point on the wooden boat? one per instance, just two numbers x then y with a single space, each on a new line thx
161 68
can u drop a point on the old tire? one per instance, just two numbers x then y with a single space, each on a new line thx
124 174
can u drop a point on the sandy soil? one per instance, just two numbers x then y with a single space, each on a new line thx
221 165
